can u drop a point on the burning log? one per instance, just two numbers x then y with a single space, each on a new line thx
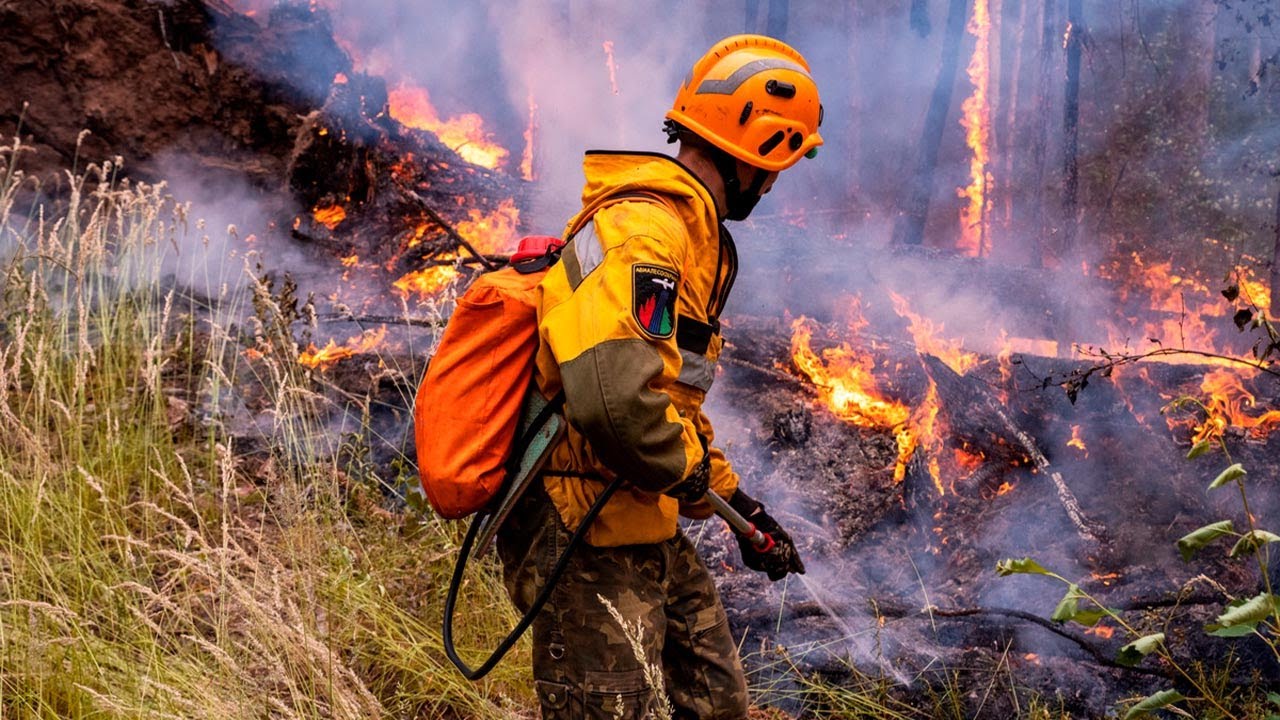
971 395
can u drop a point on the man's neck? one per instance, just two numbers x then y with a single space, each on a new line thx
700 164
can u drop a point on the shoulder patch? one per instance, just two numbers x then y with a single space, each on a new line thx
653 299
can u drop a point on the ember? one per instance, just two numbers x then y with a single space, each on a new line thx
330 216
1076 441
1103 632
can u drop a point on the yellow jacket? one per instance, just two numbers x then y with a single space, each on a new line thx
628 328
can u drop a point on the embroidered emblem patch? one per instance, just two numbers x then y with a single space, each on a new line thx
653 299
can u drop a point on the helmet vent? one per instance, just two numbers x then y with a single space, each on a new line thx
746 113
774 140
796 141
780 89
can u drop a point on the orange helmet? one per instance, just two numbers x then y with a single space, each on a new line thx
752 96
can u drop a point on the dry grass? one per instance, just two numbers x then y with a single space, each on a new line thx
143 572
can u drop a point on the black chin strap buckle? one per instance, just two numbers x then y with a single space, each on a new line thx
672 130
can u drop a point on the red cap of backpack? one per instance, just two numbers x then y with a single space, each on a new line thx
536 246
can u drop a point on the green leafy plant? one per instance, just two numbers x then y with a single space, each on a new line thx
1241 616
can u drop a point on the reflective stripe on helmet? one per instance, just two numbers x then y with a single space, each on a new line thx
731 84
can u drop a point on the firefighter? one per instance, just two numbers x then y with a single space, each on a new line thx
629 330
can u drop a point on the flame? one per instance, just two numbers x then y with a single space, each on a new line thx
526 159
926 336
929 431
427 282
494 232
976 120
1226 404
612 65
1076 441
331 353
464 134
350 261
846 384
1004 488
1253 290
1187 304
330 216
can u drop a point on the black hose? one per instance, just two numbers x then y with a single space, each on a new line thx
543 595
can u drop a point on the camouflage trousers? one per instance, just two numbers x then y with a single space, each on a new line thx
583 664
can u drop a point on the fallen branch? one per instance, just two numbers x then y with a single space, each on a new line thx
381 319
978 399
447 228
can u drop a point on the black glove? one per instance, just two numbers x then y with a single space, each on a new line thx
693 487
776 559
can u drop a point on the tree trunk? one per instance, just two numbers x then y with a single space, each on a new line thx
1274 310
847 128
1193 73
776 25
1040 143
909 229
1071 130
1011 93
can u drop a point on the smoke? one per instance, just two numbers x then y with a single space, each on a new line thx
228 231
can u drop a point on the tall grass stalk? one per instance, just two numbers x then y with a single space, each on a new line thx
143 570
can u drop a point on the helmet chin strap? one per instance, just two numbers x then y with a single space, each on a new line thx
738 202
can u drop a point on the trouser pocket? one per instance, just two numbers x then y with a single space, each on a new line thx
621 694
559 701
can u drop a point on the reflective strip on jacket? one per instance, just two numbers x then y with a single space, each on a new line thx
628 327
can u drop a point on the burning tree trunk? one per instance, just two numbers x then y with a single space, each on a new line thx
910 227
1071 128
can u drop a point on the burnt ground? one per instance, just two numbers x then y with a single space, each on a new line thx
901 582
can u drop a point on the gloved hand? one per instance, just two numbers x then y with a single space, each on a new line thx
777 560
694 486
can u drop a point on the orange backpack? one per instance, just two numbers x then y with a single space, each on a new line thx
468 407
468 404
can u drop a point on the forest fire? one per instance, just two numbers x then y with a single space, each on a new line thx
464 134
976 120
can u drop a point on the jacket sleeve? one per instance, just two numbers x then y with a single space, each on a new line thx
724 481
618 359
